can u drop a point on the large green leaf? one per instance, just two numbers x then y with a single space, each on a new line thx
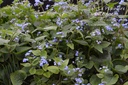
94 80
39 71
32 71
36 52
50 28
64 64
3 41
53 69
106 1
111 5
44 53
26 64
47 74
120 68
82 42
17 77
100 47
40 38
110 80
35 61
22 49
1 1
126 83
71 45
89 64
99 23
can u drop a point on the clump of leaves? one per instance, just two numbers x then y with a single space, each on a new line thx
68 44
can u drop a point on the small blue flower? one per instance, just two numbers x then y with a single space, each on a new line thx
76 21
97 32
54 63
109 28
69 72
77 84
25 59
78 80
78 27
39 47
114 19
121 2
47 6
77 53
55 39
116 13
101 84
28 53
59 63
125 25
79 74
98 42
43 61
60 55
116 24
37 2
16 39
59 33
38 33
65 79
59 22
66 68
61 3
23 25
47 45
120 46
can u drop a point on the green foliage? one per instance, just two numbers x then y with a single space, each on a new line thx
17 77
66 45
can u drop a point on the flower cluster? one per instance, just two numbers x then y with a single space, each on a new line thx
43 61
23 26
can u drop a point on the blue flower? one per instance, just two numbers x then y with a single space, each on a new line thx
55 39
25 59
109 28
59 63
60 55
37 2
47 6
39 47
59 33
78 27
66 68
77 53
61 3
116 24
76 21
121 2
23 25
98 42
28 53
125 25
59 22
79 74
97 32
54 63
38 33
101 84
16 39
78 80
43 61
120 46
47 45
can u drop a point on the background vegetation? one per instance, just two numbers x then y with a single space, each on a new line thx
66 45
